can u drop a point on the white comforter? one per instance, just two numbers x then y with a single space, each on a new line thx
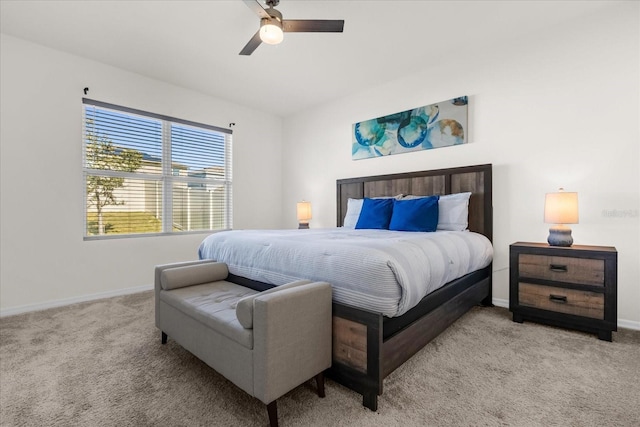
380 270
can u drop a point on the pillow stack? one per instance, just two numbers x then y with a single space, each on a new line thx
409 213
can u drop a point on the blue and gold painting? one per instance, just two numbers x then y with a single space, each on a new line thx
433 126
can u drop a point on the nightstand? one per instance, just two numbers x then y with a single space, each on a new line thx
573 287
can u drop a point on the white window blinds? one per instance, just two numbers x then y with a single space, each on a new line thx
146 173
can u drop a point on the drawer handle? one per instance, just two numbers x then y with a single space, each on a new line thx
561 299
558 268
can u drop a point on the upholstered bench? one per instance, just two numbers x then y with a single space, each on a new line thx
267 343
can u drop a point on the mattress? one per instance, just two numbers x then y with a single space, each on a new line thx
385 271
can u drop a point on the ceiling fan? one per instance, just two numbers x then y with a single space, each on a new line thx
273 27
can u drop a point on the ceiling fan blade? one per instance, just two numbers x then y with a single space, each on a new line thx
312 26
257 8
252 45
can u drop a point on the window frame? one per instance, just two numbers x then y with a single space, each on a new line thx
166 177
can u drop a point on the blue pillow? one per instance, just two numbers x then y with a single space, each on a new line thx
415 215
375 213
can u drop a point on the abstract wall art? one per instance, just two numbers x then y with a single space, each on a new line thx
433 126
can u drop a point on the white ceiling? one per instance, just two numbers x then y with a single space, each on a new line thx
195 44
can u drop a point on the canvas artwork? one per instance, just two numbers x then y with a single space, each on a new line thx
437 125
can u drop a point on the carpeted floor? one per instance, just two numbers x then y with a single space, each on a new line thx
102 364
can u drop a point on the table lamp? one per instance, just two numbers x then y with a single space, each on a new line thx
560 208
304 214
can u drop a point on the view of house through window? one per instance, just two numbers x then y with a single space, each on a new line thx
151 174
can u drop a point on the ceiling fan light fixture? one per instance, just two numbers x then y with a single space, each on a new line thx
273 27
271 31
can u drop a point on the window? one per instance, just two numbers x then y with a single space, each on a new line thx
150 174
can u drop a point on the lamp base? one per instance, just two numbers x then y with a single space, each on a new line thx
303 225
560 235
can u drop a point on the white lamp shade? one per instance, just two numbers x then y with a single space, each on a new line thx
271 33
561 208
304 211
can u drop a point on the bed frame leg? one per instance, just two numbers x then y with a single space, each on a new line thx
370 400
487 302
164 338
320 384
272 410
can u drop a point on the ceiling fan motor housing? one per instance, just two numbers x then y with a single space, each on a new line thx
275 15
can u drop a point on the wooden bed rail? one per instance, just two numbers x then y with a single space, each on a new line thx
362 357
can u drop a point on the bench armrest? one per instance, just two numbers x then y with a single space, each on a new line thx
182 277
244 308
158 273
292 338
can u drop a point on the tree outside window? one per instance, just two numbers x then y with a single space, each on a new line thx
102 154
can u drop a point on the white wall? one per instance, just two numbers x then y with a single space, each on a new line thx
43 256
557 109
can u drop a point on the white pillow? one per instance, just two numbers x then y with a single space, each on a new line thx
354 206
453 211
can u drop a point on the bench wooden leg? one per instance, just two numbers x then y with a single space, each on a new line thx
320 383
272 409
164 338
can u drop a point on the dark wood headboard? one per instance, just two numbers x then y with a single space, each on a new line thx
476 179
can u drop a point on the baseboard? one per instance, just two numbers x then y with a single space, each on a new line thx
68 301
625 324
629 324
504 303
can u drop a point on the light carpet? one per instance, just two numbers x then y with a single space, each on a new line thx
101 364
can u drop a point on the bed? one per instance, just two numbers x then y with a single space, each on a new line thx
373 336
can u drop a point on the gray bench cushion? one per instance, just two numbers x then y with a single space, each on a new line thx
213 304
179 277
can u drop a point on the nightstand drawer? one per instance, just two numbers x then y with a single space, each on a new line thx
588 271
561 300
